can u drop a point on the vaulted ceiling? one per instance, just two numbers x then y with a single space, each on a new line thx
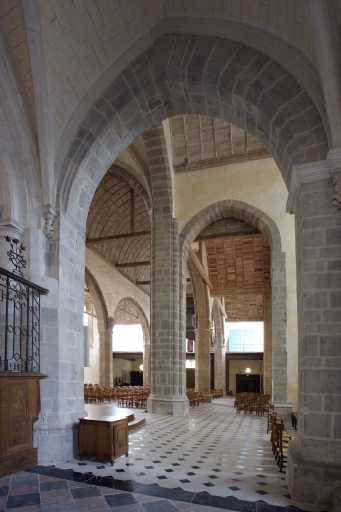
233 256
201 142
234 259
118 229
126 313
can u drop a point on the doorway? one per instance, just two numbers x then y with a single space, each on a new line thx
247 383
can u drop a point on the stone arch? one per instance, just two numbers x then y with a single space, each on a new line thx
255 217
267 43
105 326
193 74
146 337
127 176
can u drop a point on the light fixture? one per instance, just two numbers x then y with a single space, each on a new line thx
141 367
190 363
247 370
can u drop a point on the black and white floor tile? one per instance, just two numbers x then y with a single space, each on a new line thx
214 453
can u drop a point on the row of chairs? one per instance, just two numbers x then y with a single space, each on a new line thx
94 393
132 397
194 397
216 393
279 438
252 402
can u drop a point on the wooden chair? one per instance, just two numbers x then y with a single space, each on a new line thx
270 411
294 420
282 443
263 406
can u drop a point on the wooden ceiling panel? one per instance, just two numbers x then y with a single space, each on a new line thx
243 308
201 142
238 262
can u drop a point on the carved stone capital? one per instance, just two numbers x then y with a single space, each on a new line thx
49 216
110 324
306 173
334 161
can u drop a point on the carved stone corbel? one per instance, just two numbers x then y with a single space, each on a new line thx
49 215
110 324
334 161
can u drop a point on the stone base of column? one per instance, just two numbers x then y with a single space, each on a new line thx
173 406
56 436
314 470
284 410
56 445
207 399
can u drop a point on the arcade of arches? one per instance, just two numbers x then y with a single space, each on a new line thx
171 159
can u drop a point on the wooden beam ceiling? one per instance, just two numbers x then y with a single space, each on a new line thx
202 142
123 236
201 269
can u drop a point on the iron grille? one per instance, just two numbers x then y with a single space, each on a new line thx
19 324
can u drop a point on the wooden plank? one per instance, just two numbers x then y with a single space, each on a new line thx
123 236
133 264
243 290
201 269
132 210
224 160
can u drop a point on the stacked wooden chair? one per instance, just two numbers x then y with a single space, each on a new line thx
279 439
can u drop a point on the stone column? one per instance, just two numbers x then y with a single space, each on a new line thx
146 364
105 352
220 357
279 336
315 453
167 352
202 363
267 362
62 347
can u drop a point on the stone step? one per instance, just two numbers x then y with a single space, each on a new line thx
136 423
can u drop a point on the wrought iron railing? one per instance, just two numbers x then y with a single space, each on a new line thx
19 324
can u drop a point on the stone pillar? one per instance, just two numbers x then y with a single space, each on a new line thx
146 364
220 357
267 362
202 363
314 470
105 353
62 348
279 336
167 352
227 375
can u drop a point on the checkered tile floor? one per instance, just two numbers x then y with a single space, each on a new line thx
212 460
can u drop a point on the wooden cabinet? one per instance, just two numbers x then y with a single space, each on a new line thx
103 438
19 407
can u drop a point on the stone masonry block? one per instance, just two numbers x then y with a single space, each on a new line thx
330 346
333 236
322 381
337 426
317 425
332 403
334 362
335 299
313 403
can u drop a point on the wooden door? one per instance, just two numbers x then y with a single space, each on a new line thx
247 383
190 378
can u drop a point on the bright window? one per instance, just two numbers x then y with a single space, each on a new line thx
245 336
128 338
